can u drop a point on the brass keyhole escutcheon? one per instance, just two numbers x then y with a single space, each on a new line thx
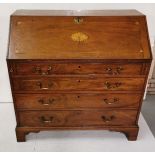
78 20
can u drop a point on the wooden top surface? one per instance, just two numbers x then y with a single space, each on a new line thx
57 34
77 13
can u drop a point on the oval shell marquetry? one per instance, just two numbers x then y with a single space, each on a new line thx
79 37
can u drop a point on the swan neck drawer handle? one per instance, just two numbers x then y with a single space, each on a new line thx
42 101
39 71
114 71
107 119
109 85
44 120
115 100
44 88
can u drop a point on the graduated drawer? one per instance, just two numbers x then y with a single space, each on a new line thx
47 68
82 84
77 118
75 101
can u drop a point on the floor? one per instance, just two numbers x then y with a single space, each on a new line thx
75 141
148 111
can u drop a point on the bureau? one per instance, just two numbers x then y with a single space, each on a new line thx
78 70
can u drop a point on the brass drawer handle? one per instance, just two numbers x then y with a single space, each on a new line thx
115 100
107 119
78 20
39 71
44 88
44 120
114 71
109 85
42 101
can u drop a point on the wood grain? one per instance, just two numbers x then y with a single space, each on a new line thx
70 68
76 101
61 83
45 37
76 118
81 84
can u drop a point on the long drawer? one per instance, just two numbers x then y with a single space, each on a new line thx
75 101
77 118
48 68
100 83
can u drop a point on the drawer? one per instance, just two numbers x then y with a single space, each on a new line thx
81 84
75 101
77 118
47 68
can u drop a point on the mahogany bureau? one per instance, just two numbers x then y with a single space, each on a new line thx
78 70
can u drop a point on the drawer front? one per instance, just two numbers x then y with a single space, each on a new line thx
49 84
77 118
75 101
40 68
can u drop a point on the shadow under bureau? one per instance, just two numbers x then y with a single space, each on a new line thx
78 70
